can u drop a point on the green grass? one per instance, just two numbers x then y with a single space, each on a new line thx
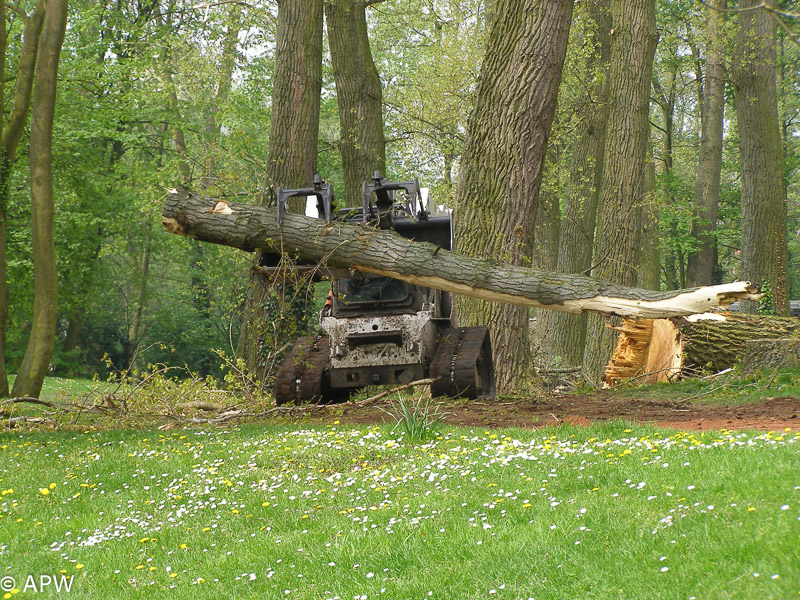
612 511
57 389
731 388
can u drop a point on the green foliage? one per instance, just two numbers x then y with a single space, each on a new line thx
418 422
291 311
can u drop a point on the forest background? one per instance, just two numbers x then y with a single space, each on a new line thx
152 94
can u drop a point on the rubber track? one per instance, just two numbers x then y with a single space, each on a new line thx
454 364
299 379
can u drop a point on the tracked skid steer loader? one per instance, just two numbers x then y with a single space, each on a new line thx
376 330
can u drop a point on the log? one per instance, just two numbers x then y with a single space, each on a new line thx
770 354
662 350
370 250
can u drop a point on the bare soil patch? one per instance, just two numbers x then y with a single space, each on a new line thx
770 414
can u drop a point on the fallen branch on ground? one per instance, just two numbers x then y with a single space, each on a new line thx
29 400
383 395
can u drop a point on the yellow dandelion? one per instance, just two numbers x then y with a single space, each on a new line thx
79 566
44 491
52 486
183 546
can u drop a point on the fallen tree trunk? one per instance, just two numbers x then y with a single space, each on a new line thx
761 354
663 349
366 249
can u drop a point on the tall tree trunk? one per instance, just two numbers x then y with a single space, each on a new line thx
503 158
712 105
568 332
666 98
74 325
292 144
547 229
547 225
294 127
649 276
764 250
12 129
617 239
140 306
36 361
359 94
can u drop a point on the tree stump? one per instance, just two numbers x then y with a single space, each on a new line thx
770 354
663 349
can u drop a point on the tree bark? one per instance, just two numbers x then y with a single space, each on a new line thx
547 229
346 246
761 354
359 94
547 226
12 130
618 230
764 249
649 274
294 124
503 158
701 263
662 349
36 361
291 159
74 325
568 332
665 98
140 302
